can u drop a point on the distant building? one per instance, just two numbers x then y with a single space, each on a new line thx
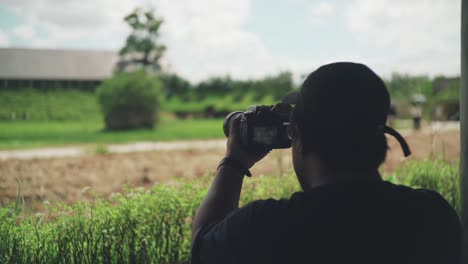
443 83
447 94
48 68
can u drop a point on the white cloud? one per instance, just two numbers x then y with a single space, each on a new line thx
61 23
205 39
4 39
417 36
24 31
319 12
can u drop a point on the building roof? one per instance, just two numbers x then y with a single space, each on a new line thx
51 64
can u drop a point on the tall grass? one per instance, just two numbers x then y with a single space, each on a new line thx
153 226
434 175
137 226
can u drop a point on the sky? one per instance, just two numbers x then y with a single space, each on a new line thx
250 39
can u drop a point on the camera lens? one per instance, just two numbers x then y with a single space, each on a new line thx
228 121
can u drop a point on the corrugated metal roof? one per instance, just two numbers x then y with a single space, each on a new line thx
50 64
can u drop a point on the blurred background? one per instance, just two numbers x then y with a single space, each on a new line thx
111 111
106 93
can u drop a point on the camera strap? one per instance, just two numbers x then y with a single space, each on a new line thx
397 136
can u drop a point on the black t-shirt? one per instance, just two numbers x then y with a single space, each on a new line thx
376 222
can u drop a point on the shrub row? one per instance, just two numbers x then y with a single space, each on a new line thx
79 105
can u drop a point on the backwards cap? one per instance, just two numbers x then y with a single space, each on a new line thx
344 97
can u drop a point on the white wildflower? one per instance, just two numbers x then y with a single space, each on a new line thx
85 189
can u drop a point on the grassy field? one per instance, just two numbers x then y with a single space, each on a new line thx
153 226
33 134
58 105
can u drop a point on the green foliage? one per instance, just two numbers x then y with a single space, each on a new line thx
215 87
129 90
142 45
403 86
154 226
129 100
226 104
276 86
174 85
222 94
451 91
45 105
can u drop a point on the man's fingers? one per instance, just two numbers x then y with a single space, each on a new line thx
281 108
235 127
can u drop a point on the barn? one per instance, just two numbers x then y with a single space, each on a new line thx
55 68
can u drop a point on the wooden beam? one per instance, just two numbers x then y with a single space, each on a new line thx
464 125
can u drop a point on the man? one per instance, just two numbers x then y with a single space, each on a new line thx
346 212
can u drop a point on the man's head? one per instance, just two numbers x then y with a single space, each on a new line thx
339 116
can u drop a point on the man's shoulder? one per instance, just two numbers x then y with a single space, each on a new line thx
425 197
320 195
267 208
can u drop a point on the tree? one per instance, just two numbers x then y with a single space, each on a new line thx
403 86
142 48
174 85
215 86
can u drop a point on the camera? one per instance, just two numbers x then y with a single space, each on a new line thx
262 127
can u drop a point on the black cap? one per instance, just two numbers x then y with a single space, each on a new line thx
345 97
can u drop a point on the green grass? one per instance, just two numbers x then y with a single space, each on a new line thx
435 175
153 226
52 104
33 134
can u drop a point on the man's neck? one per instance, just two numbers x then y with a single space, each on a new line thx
342 177
319 174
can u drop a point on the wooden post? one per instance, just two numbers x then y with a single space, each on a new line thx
464 125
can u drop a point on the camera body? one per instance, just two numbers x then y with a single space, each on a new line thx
261 128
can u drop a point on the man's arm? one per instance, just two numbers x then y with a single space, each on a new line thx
224 193
223 197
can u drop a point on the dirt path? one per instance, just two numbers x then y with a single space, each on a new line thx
75 151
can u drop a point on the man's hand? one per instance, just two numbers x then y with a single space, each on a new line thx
234 149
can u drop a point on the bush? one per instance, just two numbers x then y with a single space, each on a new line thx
130 100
